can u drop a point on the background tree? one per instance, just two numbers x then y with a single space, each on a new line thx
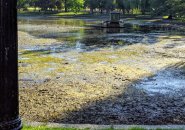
77 5
175 8
68 4
109 5
121 5
92 4
145 6
59 4
101 5
21 4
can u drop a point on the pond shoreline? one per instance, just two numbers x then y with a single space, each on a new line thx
152 21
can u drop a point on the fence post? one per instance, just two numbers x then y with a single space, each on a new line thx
9 108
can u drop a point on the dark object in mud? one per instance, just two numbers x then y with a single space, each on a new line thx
114 21
9 105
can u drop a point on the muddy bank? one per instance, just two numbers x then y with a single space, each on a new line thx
153 23
133 106
94 76
99 90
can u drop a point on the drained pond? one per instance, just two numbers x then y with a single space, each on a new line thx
73 72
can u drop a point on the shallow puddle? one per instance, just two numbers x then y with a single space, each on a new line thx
169 81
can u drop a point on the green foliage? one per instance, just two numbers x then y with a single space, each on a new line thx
22 3
77 5
92 4
175 8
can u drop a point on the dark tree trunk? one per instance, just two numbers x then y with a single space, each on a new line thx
143 12
9 110
123 11
65 5
91 10
170 17
101 11
107 11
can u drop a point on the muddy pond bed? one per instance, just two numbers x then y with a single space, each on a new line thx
70 72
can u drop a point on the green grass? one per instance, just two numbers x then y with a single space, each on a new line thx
70 13
57 13
32 9
165 17
32 12
47 128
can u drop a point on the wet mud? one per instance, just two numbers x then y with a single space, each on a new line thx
71 73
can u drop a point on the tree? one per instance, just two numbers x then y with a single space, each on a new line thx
21 4
77 5
145 6
101 5
121 5
128 5
68 4
155 7
175 7
59 4
171 8
109 5
92 4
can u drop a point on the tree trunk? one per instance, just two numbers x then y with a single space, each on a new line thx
101 11
170 17
9 109
65 5
123 11
107 11
91 11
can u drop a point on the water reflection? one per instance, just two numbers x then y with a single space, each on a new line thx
70 36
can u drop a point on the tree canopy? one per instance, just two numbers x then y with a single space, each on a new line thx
155 7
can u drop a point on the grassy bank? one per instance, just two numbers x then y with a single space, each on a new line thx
50 13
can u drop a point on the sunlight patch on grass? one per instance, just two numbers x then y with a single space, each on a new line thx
165 17
33 9
70 13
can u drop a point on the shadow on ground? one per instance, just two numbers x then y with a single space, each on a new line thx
137 105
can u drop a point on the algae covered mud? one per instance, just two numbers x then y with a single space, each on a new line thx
72 73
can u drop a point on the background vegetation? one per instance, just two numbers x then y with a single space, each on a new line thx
171 8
